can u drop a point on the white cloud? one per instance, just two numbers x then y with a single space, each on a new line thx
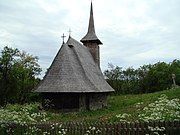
133 32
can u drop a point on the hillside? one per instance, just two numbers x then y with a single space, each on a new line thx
158 106
117 105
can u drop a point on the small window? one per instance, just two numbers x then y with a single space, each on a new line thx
70 46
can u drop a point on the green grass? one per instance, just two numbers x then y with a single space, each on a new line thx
116 105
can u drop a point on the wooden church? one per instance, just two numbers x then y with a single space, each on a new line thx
74 81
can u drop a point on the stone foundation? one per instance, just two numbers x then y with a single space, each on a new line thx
74 101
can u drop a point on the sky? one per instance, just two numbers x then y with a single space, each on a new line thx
133 32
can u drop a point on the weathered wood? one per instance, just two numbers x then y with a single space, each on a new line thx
81 128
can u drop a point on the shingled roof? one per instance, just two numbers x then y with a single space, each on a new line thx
74 70
91 34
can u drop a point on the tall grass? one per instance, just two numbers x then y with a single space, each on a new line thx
116 105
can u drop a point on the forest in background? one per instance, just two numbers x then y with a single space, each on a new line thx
19 75
146 79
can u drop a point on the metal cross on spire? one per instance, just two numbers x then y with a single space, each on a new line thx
63 36
69 32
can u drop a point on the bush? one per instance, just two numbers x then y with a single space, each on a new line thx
28 113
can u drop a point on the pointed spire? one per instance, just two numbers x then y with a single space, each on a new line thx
91 34
91 28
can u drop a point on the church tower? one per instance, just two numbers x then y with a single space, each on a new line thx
91 41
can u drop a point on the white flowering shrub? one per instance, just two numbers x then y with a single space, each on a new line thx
32 130
58 129
29 116
156 130
123 117
162 109
54 129
22 114
93 130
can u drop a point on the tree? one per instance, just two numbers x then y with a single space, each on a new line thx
130 80
7 60
25 70
113 77
142 73
146 79
18 71
157 78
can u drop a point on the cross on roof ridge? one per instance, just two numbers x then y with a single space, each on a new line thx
63 36
69 32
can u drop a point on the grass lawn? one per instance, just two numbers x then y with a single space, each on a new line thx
116 105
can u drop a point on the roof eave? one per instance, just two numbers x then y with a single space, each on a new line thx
91 40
